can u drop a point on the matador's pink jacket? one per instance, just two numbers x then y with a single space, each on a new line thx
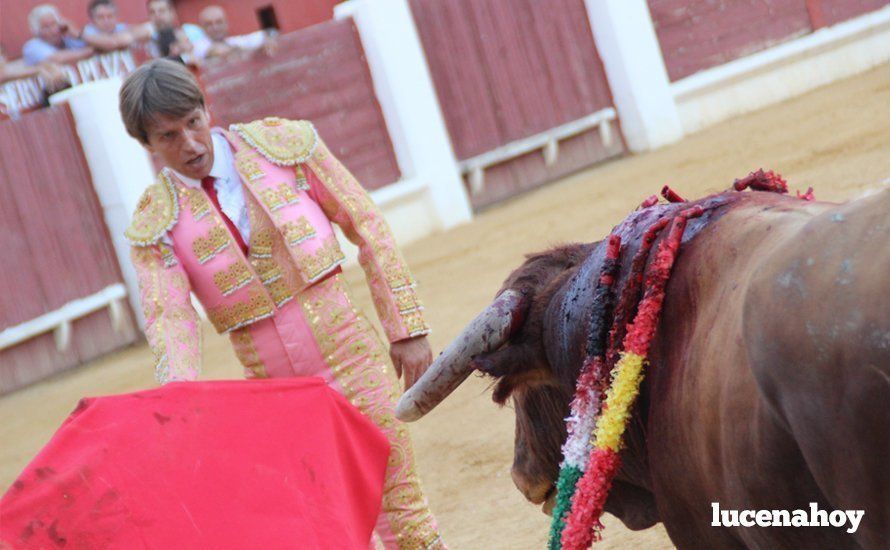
294 189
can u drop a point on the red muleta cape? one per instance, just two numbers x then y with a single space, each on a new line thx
225 464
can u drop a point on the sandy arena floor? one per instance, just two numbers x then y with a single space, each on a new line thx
836 139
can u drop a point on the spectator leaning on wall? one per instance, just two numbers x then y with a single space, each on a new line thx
55 38
53 78
15 70
105 33
220 45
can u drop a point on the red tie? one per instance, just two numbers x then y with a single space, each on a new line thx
207 185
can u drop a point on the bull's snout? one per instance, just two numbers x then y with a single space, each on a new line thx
535 489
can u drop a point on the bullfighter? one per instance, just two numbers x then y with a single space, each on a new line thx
242 219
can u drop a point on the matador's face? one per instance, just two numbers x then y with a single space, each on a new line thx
183 144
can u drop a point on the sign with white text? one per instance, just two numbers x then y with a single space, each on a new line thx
27 94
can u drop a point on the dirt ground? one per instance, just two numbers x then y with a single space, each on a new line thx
836 139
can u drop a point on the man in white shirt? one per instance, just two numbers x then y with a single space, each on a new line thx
220 45
55 38
106 33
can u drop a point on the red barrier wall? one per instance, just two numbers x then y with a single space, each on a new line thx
508 69
837 11
700 34
319 74
55 242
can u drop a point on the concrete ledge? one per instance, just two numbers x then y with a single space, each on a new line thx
59 321
784 71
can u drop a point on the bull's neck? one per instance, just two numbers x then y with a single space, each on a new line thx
634 455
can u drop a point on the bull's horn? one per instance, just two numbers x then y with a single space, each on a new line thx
487 332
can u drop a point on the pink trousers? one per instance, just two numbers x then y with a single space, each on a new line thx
321 333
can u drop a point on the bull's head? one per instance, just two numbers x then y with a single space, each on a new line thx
514 341
507 341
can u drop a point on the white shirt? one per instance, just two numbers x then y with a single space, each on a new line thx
229 189
252 41
249 42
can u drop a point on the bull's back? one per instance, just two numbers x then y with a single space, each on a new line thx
817 332
711 422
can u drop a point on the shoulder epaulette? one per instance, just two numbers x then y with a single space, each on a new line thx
281 141
156 213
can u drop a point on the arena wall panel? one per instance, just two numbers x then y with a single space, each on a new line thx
765 78
700 34
837 11
505 70
319 74
56 243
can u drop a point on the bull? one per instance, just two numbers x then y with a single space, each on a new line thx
768 384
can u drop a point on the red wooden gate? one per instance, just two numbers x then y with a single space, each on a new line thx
55 244
699 34
320 74
508 72
830 12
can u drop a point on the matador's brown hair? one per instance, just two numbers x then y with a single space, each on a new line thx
158 88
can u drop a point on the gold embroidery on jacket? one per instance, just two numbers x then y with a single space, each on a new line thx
279 292
247 353
156 213
261 243
248 167
298 231
302 183
268 269
235 277
407 301
358 363
199 205
280 141
415 323
228 317
279 196
368 224
205 248
171 322
167 255
317 264
363 212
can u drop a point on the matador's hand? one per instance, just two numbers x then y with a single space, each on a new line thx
411 357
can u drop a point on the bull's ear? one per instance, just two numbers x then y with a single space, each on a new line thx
502 390
528 379
510 359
